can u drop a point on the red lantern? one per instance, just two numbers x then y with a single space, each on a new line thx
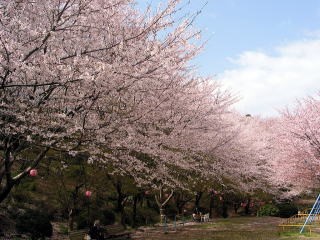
33 172
88 193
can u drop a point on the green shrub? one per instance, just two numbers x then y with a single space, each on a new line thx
63 229
144 216
108 217
82 220
35 223
287 210
268 210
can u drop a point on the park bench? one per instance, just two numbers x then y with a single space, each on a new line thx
117 231
77 234
196 217
205 217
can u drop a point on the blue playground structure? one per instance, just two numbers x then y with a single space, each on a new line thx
312 214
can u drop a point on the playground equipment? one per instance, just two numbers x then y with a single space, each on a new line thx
313 215
294 222
304 220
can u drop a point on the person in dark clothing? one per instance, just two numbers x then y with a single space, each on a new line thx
96 232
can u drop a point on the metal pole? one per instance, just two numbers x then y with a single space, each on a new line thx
165 227
310 214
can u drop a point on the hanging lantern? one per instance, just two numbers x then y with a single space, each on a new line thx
147 192
33 172
88 193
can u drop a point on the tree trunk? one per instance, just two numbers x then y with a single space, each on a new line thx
197 200
120 196
211 207
236 206
162 201
224 208
5 191
162 215
74 203
71 219
247 207
120 202
181 200
134 210
6 171
180 207
123 220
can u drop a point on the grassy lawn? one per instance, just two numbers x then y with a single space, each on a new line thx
239 228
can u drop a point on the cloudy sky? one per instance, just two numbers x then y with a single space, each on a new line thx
266 51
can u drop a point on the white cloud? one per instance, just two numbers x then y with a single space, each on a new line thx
268 82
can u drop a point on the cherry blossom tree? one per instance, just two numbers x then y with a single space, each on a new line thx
298 147
246 159
255 154
102 78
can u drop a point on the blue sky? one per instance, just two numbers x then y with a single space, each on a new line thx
265 51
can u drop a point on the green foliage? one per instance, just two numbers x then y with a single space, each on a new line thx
268 210
35 223
108 217
146 216
63 229
83 221
287 210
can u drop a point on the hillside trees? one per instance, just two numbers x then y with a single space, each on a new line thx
254 151
246 160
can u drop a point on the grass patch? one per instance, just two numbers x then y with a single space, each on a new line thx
238 228
297 235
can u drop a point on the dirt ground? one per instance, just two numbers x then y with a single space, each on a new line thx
239 228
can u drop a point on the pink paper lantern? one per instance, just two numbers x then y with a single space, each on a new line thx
33 172
88 193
